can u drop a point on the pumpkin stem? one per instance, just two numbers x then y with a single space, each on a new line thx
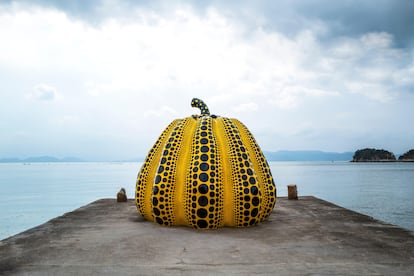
201 105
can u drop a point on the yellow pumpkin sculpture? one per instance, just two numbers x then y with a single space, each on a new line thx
205 172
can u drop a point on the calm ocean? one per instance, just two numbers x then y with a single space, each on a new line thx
34 193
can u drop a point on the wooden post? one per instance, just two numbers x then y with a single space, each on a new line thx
292 191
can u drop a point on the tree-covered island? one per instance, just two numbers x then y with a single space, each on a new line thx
373 155
407 157
381 155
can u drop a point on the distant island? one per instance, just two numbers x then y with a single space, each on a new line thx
381 155
373 155
407 157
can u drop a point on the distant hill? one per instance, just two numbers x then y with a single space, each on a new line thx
47 159
283 155
308 155
301 155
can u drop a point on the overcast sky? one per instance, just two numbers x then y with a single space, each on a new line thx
101 80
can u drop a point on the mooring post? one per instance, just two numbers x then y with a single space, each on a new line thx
292 191
121 196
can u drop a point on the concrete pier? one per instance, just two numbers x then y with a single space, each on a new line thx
301 237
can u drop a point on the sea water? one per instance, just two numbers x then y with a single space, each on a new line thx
384 191
33 193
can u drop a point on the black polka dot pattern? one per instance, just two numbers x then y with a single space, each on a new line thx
144 179
246 190
164 181
204 206
205 172
263 169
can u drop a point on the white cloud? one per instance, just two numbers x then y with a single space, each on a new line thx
44 92
68 120
163 111
291 96
143 70
246 107
181 50
371 90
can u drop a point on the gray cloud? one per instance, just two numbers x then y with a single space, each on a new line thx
343 18
350 18
90 11
310 70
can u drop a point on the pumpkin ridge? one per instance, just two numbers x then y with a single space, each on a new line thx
184 159
255 164
204 188
143 189
225 176
263 169
246 189
163 197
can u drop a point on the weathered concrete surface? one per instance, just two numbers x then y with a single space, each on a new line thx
301 237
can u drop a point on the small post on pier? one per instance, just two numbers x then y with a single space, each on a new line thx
292 191
121 196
